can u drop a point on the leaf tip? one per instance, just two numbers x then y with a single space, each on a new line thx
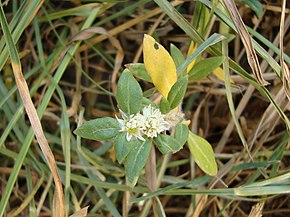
76 131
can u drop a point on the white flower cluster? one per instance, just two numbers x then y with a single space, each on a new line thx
150 123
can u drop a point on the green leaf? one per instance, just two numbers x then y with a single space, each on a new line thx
181 133
212 40
255 6
149 92
176 54
99 129
129 93
164 106
146 102
202 153
123 146
167 144
139 71
177 92
205 67
136 160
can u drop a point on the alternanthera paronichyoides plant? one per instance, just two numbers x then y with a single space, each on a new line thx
143 122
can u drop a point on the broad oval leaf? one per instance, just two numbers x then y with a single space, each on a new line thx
181 133
167 144
129 93
205 67
159 65
136 160
122 146
177 92
202 153
99 129
139 71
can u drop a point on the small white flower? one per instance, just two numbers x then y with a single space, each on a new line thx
150 123
155 122
132 125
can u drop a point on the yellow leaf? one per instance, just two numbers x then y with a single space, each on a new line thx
219 73
191 49
159 65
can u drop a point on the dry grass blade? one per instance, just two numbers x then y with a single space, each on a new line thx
88 33
246 39
257 210
269 116
200 206
81 213
284 68
127 25
59 210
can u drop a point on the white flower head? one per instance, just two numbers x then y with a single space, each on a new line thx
132 125
150 123
155 122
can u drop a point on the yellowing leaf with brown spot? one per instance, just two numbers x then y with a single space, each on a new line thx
159 65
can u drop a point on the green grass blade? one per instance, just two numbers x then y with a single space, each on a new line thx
29 137
195 182
15 20
65 138
229 94
22 23
213 39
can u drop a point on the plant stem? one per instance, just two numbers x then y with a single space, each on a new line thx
150 169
